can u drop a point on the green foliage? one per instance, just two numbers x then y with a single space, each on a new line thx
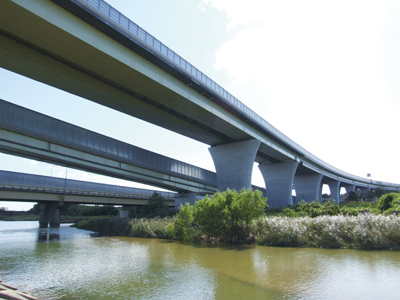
182 228
389 203
225 216
150 228
156 207
313 209
107 226
353 196
78 210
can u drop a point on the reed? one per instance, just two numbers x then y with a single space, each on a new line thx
366 231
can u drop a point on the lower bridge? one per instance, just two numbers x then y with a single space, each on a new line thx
51 193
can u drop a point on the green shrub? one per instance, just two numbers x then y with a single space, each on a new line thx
182 227
225 216
386 201
155 207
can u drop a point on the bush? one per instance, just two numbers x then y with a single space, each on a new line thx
78 210
386 201
156 207
225 216
183 227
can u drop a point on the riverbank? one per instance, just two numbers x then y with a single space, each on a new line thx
365 231
11 293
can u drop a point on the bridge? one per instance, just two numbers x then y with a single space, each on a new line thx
89 49
51 193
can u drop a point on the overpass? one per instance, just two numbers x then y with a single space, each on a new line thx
51 193
26 133
89 49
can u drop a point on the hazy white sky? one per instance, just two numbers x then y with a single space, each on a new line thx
325 73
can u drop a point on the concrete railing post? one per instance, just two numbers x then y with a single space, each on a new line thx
234 164
279 182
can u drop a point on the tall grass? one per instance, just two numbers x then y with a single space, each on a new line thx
149 228
366 231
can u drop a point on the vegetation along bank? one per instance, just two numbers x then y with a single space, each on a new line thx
243 217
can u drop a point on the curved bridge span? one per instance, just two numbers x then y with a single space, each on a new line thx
88 48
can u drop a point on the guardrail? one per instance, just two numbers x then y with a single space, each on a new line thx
140 36
24 181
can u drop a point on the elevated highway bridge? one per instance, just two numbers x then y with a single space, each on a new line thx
51 193
89 49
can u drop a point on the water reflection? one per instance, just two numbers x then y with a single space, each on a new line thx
45 235
68 263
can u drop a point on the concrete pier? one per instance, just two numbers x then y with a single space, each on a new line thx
278 182
334 187
49 213
234 164
308 187
184 198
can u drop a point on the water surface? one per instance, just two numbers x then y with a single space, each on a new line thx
69 263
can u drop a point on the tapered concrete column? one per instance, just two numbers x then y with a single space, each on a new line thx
278 182
44 215
184 198
234 164
308 187
54 213
334 187
349 187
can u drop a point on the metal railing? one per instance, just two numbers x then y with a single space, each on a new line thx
15 117
15 179
124 25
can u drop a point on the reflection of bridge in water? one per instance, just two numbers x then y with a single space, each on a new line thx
89 49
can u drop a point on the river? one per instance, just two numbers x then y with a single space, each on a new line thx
69 263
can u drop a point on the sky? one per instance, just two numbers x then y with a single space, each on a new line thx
324 73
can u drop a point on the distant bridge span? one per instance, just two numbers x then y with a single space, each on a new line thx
89 49
51 193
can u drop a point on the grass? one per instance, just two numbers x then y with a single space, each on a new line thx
365 231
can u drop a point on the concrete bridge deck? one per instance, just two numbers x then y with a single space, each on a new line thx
89 49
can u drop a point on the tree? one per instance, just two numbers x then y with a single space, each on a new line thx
226 215
156 207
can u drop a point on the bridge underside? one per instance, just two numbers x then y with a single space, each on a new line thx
87 63
77 53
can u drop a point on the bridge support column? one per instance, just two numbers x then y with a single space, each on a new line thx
49 212
349 187
44 215
54 214
278 182
334 187
234 164
184 198
308 187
